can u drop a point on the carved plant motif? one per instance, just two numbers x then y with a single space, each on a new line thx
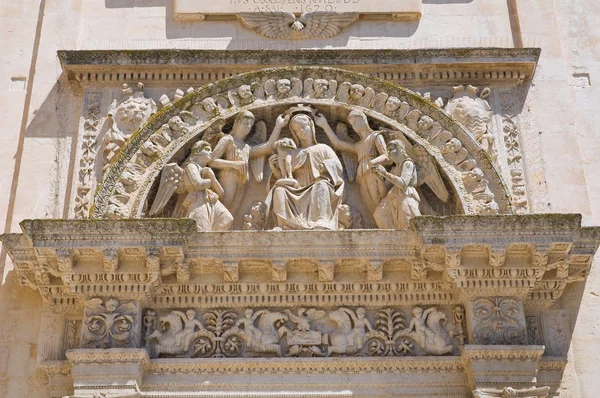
109 324
498 322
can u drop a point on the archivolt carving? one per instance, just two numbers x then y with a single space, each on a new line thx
204 113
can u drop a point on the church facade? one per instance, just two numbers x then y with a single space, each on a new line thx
303 198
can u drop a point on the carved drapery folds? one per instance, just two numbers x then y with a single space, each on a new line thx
396 113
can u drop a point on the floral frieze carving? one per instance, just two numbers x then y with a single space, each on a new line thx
110 324
498 321
302 332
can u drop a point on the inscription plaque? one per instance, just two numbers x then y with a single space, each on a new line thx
200 9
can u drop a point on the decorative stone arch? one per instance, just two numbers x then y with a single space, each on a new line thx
469 170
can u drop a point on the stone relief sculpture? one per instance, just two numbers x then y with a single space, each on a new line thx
510 392
499 321
310 200
256 219
299 332
109 324
425 328
309 25
476 187
320 88
401 203
238 156
358 155
198 191
474 112
283 88
125 118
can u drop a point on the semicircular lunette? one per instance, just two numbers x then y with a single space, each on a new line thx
441 146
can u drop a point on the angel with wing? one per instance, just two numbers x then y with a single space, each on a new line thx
198 191
357 155
237 154
411 167
309 25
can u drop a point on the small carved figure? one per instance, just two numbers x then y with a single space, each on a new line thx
426 330
458 315
149 322
283 88
320 88
265 338
474 112
355 94
125 118
357 155
311 199
198 191
208 108
402 201
246 94
285 147
361 326
454 152
189 327
238 155
256 219
349 217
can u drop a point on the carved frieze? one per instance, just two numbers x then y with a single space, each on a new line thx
299 332
110 324
498 321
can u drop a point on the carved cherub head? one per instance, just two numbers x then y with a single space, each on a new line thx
392 104
244 92
321 86
211 106
248 313
150 149
357 91
177 124
452 146
425 123
284 86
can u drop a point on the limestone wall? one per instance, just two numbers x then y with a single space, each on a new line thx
41 117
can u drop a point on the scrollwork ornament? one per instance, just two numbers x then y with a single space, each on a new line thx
498 321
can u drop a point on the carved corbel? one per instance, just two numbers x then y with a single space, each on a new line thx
110 259
231 271
64 260
497 259
418 270
279 270
496 321
453 259
375 270
326 270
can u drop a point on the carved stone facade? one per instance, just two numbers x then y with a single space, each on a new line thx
307 198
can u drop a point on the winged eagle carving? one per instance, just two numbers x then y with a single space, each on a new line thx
309 25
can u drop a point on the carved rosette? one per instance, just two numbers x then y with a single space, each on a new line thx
474 179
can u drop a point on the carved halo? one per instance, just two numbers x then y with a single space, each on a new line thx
476 182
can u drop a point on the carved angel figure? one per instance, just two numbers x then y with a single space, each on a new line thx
320 88
357 155
246 94
309 25
237 155
283 88
198 191
426 330
412 167
355 94
209 108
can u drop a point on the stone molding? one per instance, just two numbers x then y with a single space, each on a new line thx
65 261
448 67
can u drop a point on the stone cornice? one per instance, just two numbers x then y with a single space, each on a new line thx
166 67
435 262
503 353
